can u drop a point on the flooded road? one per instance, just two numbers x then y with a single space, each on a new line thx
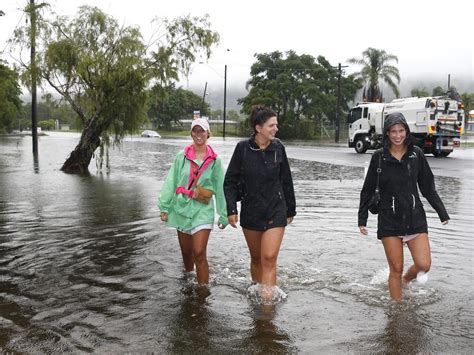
86 265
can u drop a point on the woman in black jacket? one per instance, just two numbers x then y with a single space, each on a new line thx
259 175
401 216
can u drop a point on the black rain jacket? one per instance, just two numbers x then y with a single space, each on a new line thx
401 210
261 178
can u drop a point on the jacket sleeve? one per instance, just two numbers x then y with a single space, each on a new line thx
218 181
287 184
428 190
368 189
169 186
233 179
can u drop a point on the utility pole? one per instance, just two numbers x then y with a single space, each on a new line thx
338 100
34 124
203 98
225 100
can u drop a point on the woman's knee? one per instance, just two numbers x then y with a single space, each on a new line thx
396 268
424 265
269 260
199 256
255 260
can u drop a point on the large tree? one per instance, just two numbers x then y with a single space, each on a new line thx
376 67
298 87
10 102
168 105
102 70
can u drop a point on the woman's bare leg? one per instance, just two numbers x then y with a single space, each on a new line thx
200 240
421 254
270 247
253 239
186 245
394 252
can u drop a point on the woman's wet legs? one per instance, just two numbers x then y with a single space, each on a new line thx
253 239
270 248
186 245
200 240
194 252
394 252
421 253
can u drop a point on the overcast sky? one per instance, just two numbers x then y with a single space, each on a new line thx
431 38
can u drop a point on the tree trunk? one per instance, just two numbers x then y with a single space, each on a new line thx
80 158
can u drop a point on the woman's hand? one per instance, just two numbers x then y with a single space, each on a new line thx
289 220
164 216
233 219
445 222
363 230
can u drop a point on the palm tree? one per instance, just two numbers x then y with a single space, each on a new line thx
376 67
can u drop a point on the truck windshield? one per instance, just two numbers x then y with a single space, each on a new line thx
354 114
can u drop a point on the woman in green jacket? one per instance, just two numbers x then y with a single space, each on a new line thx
186 201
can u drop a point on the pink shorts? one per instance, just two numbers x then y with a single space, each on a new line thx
406 238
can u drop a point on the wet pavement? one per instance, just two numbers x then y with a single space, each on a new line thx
86 265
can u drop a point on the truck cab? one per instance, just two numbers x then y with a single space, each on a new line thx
365 121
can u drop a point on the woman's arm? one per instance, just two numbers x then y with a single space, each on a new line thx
287 184
368 189
233 178
428 190
218 182
169 186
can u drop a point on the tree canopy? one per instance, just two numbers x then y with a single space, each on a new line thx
376 67
103 69
10 102
298 87
168 105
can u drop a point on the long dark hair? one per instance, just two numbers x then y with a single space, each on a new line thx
260 114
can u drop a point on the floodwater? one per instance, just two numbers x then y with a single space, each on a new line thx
87 266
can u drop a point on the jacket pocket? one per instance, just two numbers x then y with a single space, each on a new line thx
185 206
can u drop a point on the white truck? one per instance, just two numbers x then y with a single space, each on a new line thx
436 123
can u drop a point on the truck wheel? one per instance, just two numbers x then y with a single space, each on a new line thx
440 154
361 145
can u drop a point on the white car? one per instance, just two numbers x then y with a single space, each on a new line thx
150 134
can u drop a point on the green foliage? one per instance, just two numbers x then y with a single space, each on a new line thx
102 70
438 91
376 67
46 125
49 109
10 102
468 101
299 88
420 92
168 105
183 39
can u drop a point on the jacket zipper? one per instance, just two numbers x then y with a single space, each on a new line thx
413 197
393 204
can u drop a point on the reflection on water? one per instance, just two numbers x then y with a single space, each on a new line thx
86 266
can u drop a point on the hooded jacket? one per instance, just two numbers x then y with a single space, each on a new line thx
261 178
185 174
401 210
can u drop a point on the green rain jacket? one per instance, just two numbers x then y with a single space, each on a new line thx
185 173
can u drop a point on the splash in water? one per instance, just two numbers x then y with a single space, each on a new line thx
266 295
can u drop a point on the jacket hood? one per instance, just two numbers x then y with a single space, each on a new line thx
391 120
